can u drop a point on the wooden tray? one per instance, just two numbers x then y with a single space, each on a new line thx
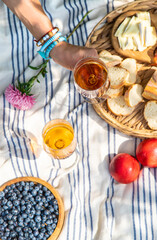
145 56
100 38
58 228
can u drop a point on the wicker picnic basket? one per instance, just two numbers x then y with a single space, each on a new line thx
100 38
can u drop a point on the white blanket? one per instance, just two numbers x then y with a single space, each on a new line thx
96 206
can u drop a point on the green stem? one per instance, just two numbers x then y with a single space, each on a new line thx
79 24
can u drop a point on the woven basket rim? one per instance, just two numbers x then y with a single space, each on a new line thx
95 40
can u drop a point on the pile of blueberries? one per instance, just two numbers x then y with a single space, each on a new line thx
27 211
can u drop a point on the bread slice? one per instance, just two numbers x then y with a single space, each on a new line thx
150 114
130 65
133 95
109 59
150 91
118 106
104 53
117 76
113 93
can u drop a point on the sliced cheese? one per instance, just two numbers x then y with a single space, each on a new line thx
144 16
132 28
130 44
136 33
122 27
138 42
150 36
122 42
142 27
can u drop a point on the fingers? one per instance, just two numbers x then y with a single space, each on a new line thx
67 55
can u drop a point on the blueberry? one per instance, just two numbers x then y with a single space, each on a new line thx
2 194
47 193
23 208
37 219
15 212
51 209
34 192
1 220
40 236
55 220
16 203
38 198
24 193
4 201
26 188
44 218
46 212
24 215
31 184
11 227
9 216
29 206
22 183
38 213
36 233
37 207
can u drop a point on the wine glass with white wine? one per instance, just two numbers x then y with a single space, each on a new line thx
60 143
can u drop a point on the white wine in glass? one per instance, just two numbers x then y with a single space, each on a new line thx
58 138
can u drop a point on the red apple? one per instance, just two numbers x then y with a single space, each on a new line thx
146 152
124 168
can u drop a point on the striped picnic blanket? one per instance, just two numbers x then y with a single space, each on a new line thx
96 206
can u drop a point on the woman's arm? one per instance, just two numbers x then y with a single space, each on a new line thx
31 13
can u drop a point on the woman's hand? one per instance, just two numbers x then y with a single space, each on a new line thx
67 55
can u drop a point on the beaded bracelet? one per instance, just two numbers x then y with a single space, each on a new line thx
48 35
52 39
45 54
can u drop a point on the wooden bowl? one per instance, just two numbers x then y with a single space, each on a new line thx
101 38
146 55
58 228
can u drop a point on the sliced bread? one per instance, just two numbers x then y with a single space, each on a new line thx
113 93
150 91
118 106
133 95
118 77
150 114
130 65
104 53
109 59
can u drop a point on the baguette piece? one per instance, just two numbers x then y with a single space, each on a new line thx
133 95
150 91
130 65
150 114
104 53
109 59
118 106
113 93
118 77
